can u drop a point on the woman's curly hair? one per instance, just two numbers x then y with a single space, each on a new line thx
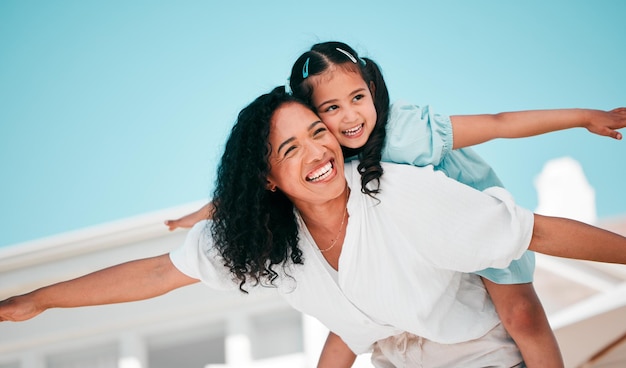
326 55
253 228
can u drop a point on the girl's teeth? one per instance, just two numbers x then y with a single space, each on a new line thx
353 131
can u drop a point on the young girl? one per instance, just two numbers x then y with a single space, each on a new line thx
351 98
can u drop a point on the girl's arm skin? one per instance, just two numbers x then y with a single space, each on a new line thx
469 130
126 282
187 221
336 354
568 238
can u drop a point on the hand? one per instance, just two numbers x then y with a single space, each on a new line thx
606 123
18 308
173 224
187 221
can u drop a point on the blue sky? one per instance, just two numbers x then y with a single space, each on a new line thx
111 109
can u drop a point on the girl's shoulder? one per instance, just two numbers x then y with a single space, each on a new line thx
404 105
404 115
403 112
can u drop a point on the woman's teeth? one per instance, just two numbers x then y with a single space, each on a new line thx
321 173
353 131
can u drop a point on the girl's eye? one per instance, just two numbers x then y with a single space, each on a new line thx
331 108
358 97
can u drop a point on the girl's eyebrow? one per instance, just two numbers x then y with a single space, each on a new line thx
289 140
335 99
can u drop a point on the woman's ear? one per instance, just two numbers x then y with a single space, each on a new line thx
270 186
372 88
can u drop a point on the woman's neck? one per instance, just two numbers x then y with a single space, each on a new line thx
325 216
327 225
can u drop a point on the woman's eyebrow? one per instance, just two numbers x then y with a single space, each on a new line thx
289 140
313 124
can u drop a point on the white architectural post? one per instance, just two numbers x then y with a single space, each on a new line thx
238 348
563 190
315 334
133 352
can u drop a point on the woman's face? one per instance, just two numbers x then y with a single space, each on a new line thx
306 160
344 102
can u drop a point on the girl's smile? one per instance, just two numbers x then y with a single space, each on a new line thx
344 102
355 132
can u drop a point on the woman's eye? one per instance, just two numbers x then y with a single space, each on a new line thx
319 131
358 97
289 150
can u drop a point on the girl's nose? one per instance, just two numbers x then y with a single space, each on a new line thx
349 114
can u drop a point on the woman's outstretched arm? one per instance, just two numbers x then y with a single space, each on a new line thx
126 282
568 238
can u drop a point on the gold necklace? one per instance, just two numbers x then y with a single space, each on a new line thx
334 241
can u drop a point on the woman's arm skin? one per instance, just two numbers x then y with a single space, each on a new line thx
573 239
336 354
126 282
469 130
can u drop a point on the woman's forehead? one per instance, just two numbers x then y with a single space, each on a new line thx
293 116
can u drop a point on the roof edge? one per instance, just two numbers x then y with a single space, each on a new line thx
93 238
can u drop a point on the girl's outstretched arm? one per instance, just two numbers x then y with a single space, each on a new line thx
126 282
187 221
567 238
469 130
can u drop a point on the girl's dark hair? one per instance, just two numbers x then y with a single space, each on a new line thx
321 58
253 228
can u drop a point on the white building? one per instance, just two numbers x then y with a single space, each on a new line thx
197 327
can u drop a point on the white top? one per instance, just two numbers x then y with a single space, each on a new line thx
404 261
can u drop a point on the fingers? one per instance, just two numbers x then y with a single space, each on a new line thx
619 110
619 116
171 224
611 133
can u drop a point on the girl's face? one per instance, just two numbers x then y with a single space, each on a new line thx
345 104
306 160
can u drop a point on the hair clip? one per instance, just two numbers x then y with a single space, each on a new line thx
305 68
288 87
349 55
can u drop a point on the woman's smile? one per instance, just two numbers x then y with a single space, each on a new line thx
322 173
306 161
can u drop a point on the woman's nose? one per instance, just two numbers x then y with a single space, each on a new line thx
315 151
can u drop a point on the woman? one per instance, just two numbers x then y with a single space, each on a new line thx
395 280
